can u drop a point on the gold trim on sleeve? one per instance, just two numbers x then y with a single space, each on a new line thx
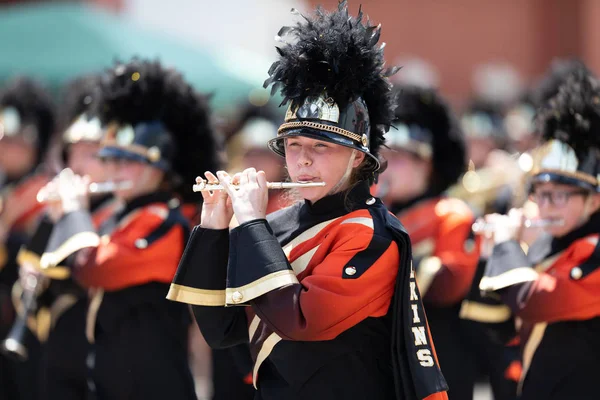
275 280
30 258
482 312
426 271
196 297
71 245
509 278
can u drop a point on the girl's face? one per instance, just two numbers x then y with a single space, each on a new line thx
406 176
311 160
18 156
83 160
145 178
566 203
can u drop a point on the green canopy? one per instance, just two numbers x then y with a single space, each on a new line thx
57 42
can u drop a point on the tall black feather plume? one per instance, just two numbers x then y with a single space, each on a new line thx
143 90
336 53
34 104
560 70
426 108
573 115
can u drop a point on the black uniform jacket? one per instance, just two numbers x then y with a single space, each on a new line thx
555 290
137 339
333 310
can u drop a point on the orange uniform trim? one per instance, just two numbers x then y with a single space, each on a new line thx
437 396
445 226
117 263
556 296
330 304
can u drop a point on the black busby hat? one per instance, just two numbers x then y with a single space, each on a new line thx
569 124
425 125
332 75
76 110
556 75
484 119
152 115
27 110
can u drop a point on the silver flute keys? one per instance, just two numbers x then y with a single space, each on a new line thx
204 186
44 196
480 226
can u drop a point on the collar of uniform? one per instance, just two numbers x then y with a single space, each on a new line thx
400 206
590 227
141 201
97 202
348 201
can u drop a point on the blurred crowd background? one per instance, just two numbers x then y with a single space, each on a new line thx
479 53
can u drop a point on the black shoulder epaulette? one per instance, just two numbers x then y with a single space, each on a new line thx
174 218
587 267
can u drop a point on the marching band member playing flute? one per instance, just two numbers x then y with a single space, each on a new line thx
554 288
331 306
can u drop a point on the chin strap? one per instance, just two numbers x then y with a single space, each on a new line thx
346 177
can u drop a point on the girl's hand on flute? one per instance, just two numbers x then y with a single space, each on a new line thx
216 209
249 199
71 193
506 227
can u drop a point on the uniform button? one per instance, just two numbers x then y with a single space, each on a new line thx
576 273
469 245
173 203
141 243
237 297
90 360
370 201
350 271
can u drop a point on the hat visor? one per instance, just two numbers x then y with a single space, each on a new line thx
564 180
121 154
278 146
124 154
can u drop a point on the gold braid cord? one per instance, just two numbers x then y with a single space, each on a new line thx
314 125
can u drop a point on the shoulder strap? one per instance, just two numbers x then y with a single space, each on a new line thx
174 218
589 266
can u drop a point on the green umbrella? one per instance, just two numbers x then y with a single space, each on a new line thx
57 42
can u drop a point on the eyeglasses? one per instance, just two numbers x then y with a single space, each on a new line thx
558 198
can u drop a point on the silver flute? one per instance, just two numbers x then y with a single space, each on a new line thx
480 226
204 186
44 196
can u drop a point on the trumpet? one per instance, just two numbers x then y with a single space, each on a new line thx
202 186
44 196
481 227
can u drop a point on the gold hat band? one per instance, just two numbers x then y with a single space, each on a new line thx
570 174
315 125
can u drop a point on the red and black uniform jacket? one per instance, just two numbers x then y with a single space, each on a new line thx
328 291
555 291
444 249
138 340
